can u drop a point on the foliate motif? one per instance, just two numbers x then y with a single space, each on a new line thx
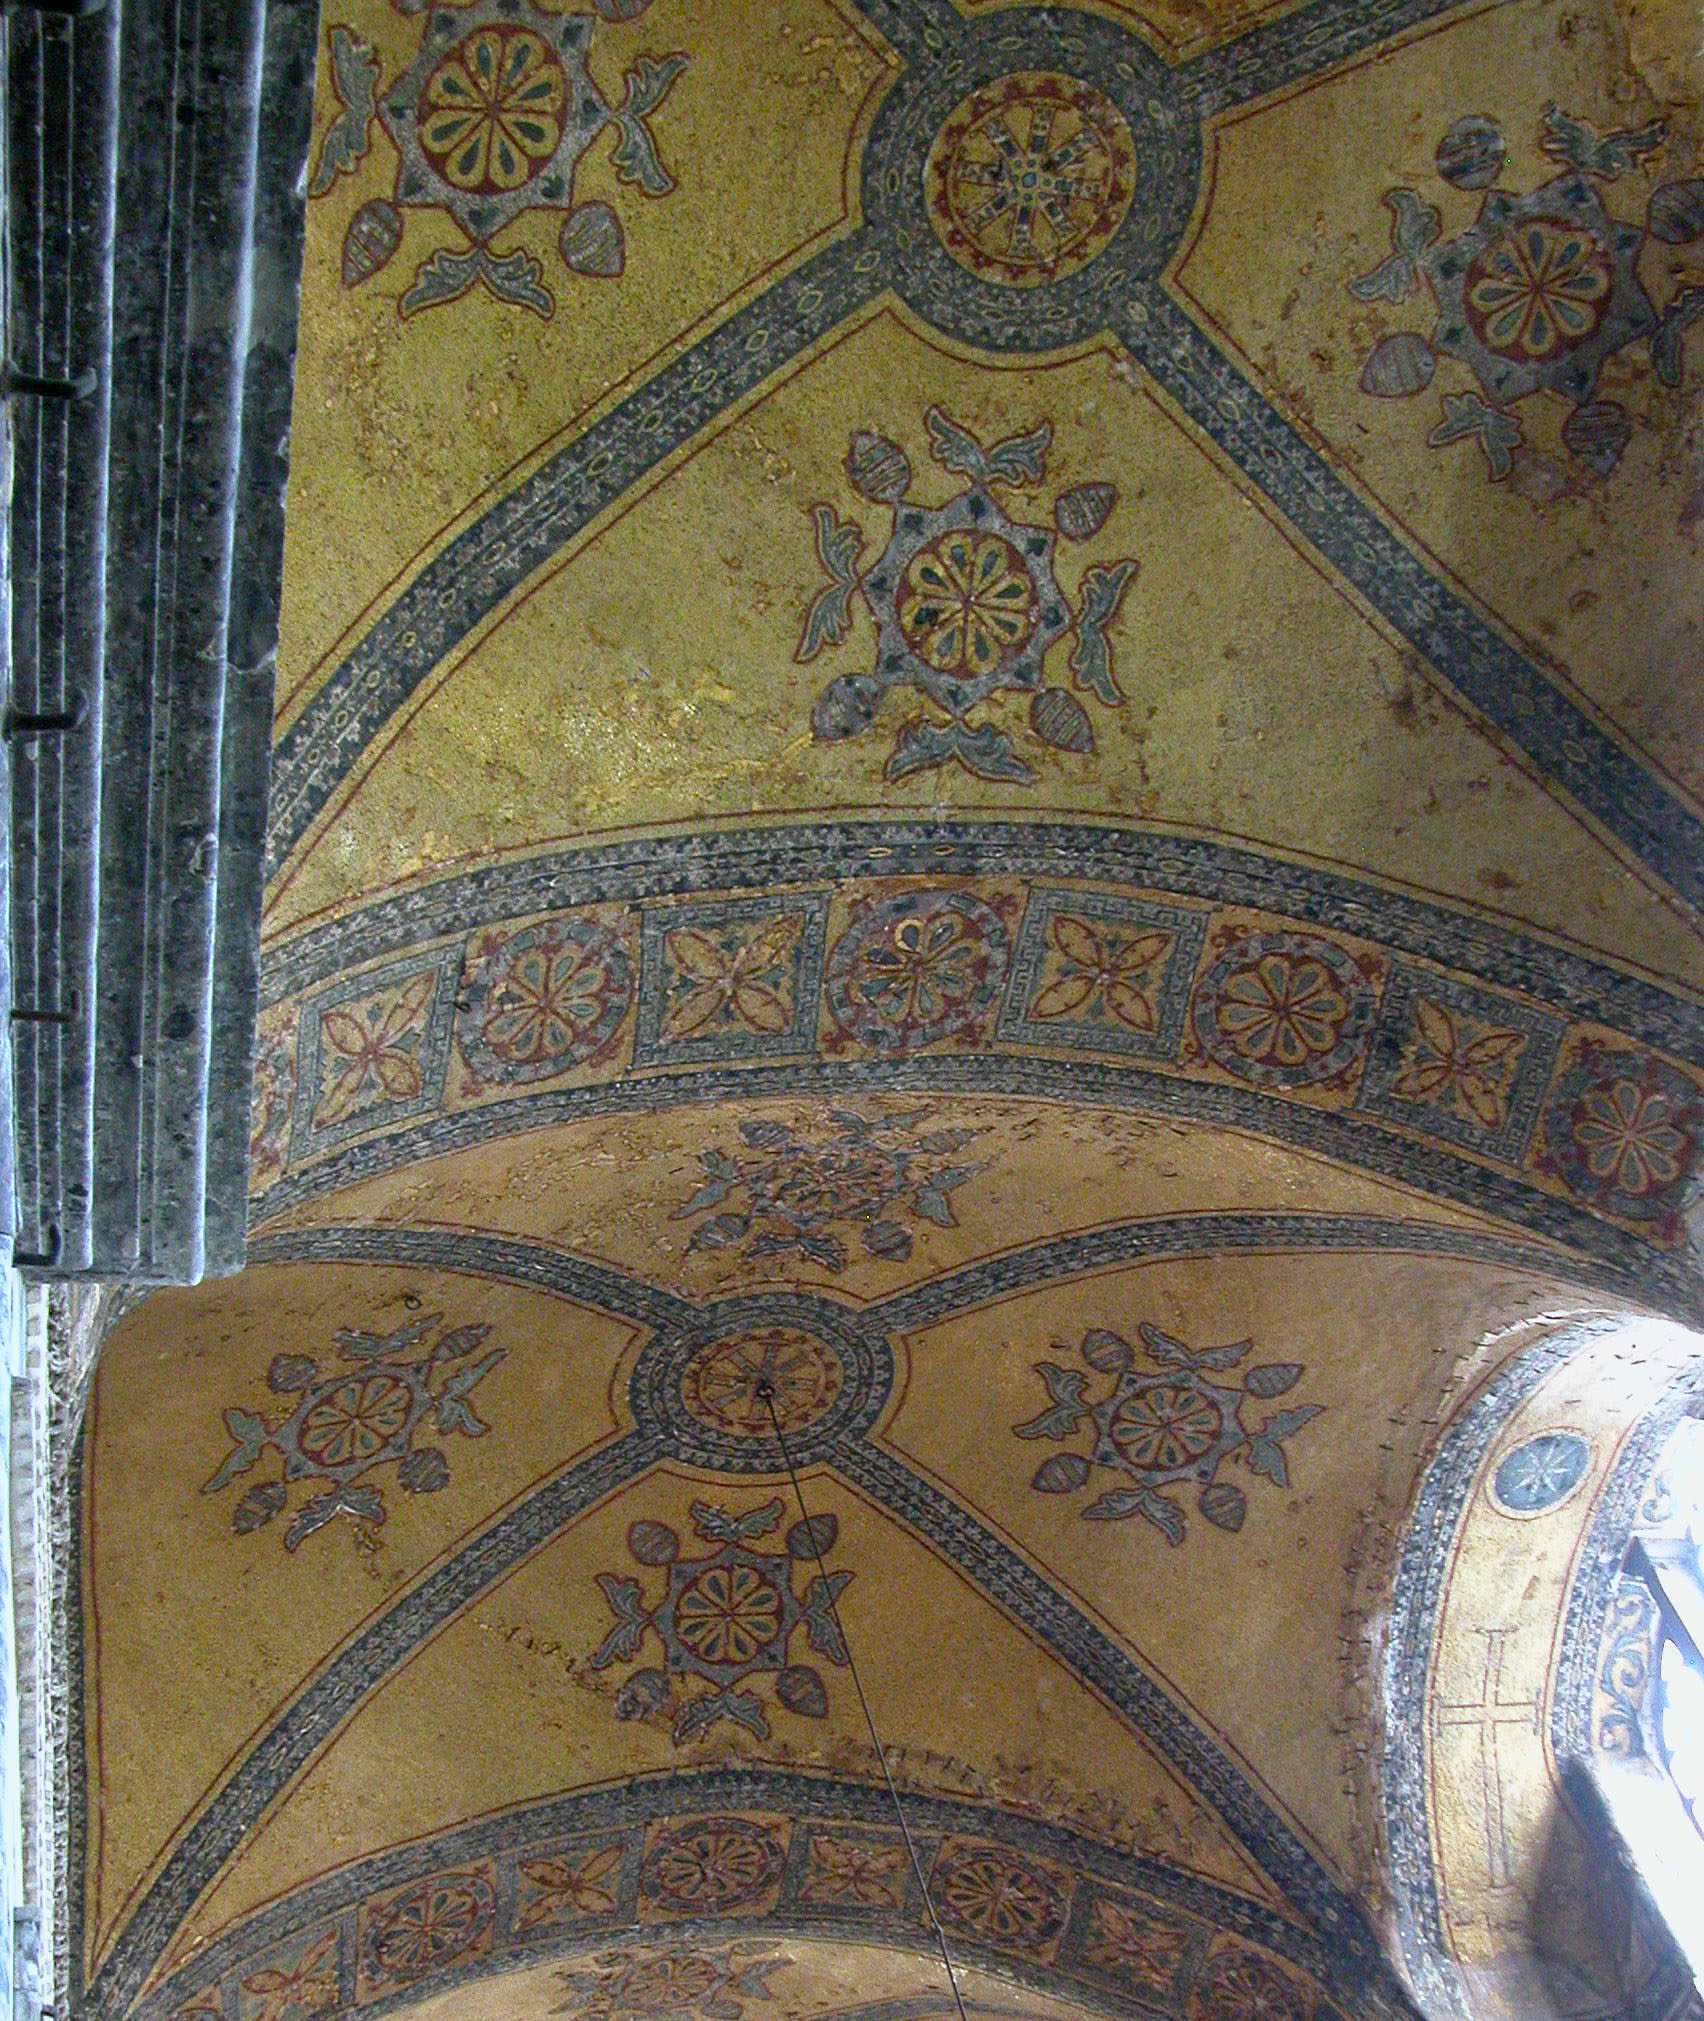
997 1896
1460 1062
725 1619
374 1048
1132 1945
1540 291
572 1884
1030 177
427 1927
916 970
854 1871
787 1195
1166 1421
712 1867
675 1985
295 1985
1095 972
1624 1680
360 1413
274 1100
1284 1010
966 605
1101 971
729 979
542 1001
489 121
1622 1132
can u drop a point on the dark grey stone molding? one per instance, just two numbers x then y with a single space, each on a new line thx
147 521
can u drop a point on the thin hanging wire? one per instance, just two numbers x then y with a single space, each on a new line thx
766 1396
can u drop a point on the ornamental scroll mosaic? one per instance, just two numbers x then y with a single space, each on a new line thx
489 121
864 1178
371 1409
965 598
685 1982
1165 1419
1034 978
1542 291
800 1852
725 1620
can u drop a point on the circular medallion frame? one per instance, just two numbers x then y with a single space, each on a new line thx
1540 1474
1096 77
695 1390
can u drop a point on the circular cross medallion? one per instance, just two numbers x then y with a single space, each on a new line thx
730 1385
711 1867
1030 177
1028 189
1540 1473
1539 289
731 1615
714 1393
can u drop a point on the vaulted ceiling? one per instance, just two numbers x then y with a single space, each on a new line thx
981 1020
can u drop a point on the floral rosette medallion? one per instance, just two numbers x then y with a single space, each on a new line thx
967 606
489 121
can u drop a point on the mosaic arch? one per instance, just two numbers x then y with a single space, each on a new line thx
986 735
1500 1701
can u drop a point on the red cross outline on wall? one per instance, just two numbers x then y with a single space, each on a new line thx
1490 1713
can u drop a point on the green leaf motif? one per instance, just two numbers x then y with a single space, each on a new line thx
1102 592
627 1603
839 543
719 1526
985 752
250 1439
1065 1386
1413 227
355 79
648 83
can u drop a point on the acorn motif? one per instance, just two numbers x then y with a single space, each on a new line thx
653 1543
1676 213
1059 719
877 467
1472 152
846 706
591 241
1082 511
1398 366
375 232
1597 433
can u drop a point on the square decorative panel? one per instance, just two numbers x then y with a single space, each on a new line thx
562 1886
1104 973
1134 1945
372 1050
854 1873
1459 1063
730 979
296 1982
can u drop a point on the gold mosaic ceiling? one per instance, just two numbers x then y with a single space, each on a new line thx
983 951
